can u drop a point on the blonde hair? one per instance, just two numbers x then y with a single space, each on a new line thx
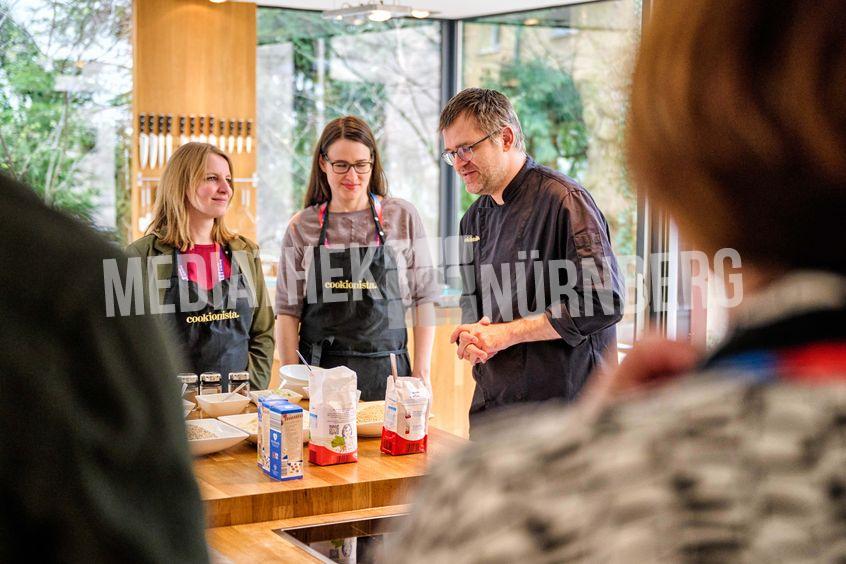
183 174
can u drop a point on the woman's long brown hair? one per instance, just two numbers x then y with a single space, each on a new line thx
353 129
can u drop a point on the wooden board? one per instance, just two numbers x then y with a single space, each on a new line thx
235 491
196 57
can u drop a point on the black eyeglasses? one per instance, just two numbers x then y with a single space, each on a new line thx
465 152
342 167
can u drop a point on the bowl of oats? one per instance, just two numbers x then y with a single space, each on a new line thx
206 436
369 418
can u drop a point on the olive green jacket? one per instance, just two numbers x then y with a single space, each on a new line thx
246 254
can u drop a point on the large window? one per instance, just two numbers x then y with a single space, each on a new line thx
65 84
567 72
312 70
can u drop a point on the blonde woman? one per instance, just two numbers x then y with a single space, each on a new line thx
209 280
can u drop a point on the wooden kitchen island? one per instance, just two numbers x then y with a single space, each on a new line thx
243 505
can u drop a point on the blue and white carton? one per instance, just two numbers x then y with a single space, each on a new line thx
280 438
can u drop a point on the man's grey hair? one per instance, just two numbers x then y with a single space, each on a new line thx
491 109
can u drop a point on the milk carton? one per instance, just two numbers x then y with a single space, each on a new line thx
280 438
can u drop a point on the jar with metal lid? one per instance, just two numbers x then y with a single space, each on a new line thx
238 378
210 383
191 382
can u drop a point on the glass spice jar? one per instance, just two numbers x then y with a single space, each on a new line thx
210 383
238 378
191 382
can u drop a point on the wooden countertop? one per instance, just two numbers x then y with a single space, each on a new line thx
236 492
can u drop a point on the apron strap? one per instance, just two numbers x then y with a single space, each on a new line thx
323 217
375 212
221 254
317 350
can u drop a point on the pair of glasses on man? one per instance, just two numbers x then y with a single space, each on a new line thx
465 152
342 167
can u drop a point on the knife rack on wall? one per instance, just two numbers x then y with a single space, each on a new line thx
159 135
194 68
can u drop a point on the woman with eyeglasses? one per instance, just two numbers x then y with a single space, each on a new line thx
353 261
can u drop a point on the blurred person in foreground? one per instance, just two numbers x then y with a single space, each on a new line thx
738 128
95 465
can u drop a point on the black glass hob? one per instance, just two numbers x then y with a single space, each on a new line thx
346 542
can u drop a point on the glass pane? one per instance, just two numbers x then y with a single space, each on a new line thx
312 70
65 93
567 72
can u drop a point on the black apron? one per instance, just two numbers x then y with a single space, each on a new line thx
348 322
216 332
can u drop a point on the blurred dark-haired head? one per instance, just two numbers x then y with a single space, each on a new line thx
738 126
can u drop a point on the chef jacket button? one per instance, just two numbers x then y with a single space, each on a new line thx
520 396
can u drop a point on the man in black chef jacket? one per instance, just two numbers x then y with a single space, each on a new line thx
542 290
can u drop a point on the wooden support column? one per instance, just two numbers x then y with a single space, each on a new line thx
194 57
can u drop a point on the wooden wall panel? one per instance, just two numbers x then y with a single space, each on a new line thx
196 57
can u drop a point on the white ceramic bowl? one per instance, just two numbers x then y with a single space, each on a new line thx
247 422
215 405
225 436
301 389
372 428
290 395
296 372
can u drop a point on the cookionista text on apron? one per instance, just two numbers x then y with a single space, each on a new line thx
356 316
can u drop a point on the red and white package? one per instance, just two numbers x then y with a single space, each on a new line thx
406 426
332 409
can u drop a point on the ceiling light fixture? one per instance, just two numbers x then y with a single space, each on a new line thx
379 16
374 11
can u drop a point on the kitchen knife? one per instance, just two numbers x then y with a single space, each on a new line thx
168 137
161 140
142 140
191 135
202 130
154 151
239 140
212 137
182 137
221 137
249 139
231 141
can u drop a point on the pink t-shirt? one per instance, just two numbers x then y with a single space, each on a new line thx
203 267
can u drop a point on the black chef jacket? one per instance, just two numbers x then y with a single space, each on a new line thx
514 265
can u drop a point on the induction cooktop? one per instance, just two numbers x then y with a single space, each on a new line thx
344 542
